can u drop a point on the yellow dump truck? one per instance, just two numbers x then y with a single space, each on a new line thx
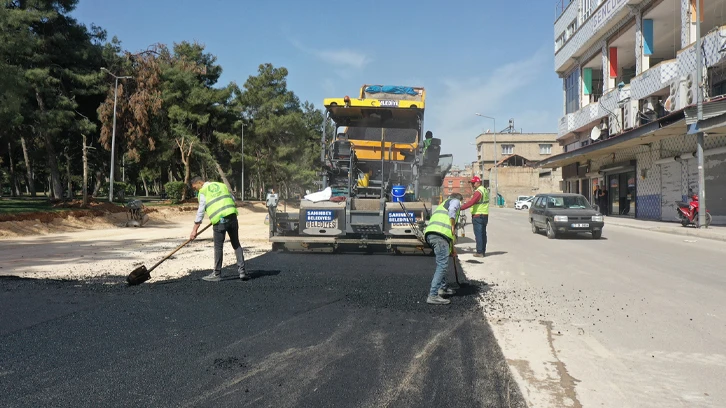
378 185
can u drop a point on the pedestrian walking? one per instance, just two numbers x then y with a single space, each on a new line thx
218 204
479 205
440 234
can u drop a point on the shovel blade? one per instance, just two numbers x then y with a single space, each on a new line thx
138 276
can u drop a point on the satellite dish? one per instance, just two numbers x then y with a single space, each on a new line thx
595 133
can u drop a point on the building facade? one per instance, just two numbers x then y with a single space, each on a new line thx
515 155
629 124
458 181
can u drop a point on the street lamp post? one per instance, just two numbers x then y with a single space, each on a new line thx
494 165
113 133
242 147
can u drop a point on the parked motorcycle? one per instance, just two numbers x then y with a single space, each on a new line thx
688 212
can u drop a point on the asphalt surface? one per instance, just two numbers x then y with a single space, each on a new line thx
306 331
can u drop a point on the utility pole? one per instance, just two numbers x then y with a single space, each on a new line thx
494 165
701 141
113 133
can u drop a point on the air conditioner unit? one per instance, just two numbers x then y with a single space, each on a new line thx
672 102
616 122
630 117
688 91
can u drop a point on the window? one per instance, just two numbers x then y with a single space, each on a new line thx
545 149
451 183
461 183
572 92
571 29
560 42
451 190
507 149
576 202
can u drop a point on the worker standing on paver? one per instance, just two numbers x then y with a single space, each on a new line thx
479 205
216 201
440 235
271 203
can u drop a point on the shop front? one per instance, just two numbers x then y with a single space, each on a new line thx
620 185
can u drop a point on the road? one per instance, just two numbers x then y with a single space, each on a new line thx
306 331
635 319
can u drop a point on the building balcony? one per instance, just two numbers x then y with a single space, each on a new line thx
654 80
609 15
584 118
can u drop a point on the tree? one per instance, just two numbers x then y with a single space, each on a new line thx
59 61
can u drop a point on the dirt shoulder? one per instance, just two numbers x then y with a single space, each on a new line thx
97 247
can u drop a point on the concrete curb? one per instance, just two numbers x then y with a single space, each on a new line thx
683 231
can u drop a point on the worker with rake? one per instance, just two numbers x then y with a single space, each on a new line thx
218 204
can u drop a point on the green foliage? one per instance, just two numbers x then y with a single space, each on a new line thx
118 187
174 121
174 190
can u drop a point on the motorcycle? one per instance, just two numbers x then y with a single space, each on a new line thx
688 212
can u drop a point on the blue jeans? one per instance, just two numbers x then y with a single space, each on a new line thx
480 233
442 250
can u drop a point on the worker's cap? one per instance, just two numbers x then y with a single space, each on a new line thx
475 179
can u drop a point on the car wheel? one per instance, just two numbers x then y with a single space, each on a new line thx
535 230
525 207
551 233
597 234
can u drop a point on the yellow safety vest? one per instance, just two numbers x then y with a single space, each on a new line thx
482 206
440 222
219 203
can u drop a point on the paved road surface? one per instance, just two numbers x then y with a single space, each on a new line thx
636 319
307 331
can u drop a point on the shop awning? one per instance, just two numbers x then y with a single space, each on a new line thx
667 126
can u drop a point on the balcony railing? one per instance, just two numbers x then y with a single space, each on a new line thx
561 6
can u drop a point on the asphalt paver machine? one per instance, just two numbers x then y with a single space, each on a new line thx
380 180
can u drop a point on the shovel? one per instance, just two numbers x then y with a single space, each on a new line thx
141 274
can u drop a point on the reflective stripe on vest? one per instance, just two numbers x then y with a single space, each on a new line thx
440 222
219 203
482 206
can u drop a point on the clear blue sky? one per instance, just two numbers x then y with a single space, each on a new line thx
491 57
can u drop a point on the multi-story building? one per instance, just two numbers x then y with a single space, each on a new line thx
515 155
629 75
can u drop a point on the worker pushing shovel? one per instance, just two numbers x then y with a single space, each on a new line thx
218 204
440 235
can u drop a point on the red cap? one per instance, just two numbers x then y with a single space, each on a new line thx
475 179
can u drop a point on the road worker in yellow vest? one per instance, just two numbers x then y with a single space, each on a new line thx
218 204
440 234
479 205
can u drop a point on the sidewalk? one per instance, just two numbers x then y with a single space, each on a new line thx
714 232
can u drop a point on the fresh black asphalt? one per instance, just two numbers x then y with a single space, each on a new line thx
307 331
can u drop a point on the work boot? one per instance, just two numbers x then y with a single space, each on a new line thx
239 253
213 277
446 291
437 300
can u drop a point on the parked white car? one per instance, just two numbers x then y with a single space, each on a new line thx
523 204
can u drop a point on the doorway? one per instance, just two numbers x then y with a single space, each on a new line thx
621 193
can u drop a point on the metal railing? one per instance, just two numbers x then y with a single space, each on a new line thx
561 6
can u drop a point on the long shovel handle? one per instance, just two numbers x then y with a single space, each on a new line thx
177 248
454 258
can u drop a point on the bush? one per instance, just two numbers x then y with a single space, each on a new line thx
120 190
174 190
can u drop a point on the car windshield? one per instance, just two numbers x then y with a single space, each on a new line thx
574 202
